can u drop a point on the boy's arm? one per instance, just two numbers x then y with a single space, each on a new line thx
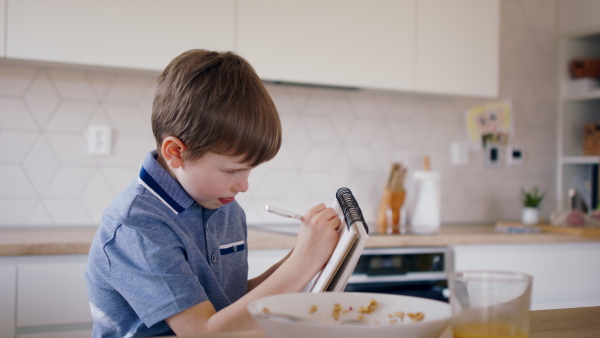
252 283
315 243
203 319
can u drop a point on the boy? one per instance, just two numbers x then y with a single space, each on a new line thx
170 255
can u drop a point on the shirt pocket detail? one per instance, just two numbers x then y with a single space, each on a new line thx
226 249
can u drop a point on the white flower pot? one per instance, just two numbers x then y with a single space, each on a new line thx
530 216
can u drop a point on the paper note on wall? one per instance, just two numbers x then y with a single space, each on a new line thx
489 123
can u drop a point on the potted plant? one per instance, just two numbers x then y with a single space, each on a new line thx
531 202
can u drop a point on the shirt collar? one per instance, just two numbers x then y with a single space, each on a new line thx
164 186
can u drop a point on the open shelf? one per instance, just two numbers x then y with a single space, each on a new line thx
575 110
594 95
580 160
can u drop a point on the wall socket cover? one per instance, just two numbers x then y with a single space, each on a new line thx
99 140
514 156
493 158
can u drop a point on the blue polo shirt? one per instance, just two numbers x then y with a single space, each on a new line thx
157 252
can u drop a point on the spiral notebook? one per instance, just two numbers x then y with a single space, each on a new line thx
354 234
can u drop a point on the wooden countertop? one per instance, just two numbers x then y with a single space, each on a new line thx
447 236
46 241
77 240
559 323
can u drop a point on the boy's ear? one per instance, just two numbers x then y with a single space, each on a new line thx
172 151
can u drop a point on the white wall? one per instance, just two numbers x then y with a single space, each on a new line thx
332 138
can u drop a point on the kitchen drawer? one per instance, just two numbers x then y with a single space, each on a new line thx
52 293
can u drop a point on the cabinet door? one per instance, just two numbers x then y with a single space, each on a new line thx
336 42
139 34
2 28
260 260
458 46
564 275
59 334
8 290
52 294
579 16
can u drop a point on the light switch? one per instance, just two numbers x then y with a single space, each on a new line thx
459 153
99 140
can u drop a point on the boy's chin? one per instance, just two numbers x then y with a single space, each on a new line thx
215 204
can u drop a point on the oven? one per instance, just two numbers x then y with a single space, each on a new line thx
411 271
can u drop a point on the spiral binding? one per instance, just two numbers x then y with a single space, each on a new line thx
350 208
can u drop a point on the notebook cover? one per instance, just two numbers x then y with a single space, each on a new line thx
342 262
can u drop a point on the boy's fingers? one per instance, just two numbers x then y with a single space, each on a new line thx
316 209
321 213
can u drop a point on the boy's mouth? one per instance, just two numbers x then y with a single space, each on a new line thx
226 200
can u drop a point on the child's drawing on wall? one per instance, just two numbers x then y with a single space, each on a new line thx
489 123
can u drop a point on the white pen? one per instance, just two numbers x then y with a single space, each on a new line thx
282 213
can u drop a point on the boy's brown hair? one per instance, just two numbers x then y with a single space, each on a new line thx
215 102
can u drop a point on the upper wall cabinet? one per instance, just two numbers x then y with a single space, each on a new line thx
458 47
336 42
445 47
2 27
430 46
579 17
138 34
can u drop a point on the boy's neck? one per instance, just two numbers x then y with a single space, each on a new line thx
164 164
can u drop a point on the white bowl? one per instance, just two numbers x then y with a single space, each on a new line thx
382 322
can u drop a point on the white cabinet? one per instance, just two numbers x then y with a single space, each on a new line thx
447 47
260 260
564 275
61 334
579 16
432 46
8 285
138 34
2 27
44 297
52 294
336 42
458 47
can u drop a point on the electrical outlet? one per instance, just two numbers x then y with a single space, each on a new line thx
514 156
99 140
493 156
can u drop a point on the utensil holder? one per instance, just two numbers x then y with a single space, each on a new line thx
390 211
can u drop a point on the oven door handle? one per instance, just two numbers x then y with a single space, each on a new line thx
410 277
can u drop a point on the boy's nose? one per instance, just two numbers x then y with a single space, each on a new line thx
242 184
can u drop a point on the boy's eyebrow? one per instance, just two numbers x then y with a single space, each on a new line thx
238 166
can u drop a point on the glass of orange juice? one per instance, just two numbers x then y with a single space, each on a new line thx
490 304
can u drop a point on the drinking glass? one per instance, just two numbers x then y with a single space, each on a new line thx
490 304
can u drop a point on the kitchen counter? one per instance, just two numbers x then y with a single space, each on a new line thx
77 240
448 235
559 323
46 241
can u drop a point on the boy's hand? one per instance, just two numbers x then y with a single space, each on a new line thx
317 237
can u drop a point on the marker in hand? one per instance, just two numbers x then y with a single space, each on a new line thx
285 213
282 213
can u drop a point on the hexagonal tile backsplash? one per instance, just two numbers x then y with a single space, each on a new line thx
332 138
